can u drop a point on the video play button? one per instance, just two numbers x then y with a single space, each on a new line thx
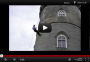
44 27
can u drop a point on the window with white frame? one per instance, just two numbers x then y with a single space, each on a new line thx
62 41
62 13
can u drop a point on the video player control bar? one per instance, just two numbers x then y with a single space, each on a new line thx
44 58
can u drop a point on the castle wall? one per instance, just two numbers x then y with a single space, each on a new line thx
49 14
70 25
48 41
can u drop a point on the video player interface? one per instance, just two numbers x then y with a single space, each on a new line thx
45 33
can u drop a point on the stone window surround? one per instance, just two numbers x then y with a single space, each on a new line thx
65 39
61 32
62 12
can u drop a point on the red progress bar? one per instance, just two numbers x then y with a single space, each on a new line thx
46 55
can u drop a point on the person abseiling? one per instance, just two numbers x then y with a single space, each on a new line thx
35 30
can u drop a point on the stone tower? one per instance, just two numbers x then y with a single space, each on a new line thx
66 28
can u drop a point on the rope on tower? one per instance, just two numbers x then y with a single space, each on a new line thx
33 35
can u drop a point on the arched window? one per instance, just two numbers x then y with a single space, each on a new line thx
62 13
62 41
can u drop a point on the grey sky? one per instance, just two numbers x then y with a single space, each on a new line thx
21 20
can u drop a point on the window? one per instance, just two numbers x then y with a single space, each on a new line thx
61 41
62 13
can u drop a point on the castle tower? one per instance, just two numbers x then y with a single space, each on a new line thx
66 28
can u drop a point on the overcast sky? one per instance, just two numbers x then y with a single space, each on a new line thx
21 20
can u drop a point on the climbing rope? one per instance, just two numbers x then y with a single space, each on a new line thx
33 36
31 40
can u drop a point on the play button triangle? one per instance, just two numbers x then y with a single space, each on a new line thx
44 27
